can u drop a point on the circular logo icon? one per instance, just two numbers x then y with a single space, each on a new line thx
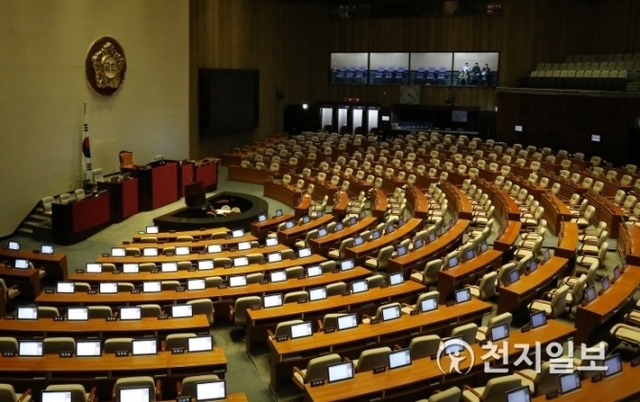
105 66
451 355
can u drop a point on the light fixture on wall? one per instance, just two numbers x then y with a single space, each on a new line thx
305 106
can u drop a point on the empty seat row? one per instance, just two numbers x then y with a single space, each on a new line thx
587 80
603 57
612 66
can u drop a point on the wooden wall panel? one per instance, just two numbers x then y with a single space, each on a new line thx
290 45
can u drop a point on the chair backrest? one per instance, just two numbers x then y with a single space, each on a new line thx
284 328
372 358
189 383
497 387
558 301
241 306
78 393
177 341
317 367
135 382
55 345
424 346
8 393
113 345
452 394
8 344
467 331
487 285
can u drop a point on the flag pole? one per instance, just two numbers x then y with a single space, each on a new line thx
86 147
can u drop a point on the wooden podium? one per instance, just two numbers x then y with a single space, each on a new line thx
157 184
123 198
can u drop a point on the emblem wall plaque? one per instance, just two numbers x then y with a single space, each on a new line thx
106 66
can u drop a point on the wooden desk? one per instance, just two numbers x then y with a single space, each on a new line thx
417 258
81 219
105 370
289 236
459 201
206 171
298 352
417 201
606 211
359 253
323 244
118 261
505 206
172 236
259 321
248 175
28 280
628 245
286 194
379 203
455 278
409 382
340 204
101 328
512 297
605 306
302 208
123 198
568 240
195 244
261 229
157 184
54 264
620 387
222 297
509 237
182 275
555 212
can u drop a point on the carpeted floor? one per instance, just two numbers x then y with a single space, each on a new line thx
249 373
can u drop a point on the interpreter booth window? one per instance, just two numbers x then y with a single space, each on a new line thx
389 68
429 68
349 68
478 69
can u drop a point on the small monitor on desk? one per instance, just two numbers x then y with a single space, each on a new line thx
271 241
130 313
183 250
319 214
322 232
402 250
130 268
182 311
150 251
244 245
400 222
306 219
428 304
417 244
340 372
499 332
390 229
152 230
21 264
30 348
262 218
470 254
538 319
137 394
237 280
347 321
616 273
118 252
207 391
274 300
613 365
289 225
339 227
462 295
396 278
453 345
14 245
314 270
214 248
277 276
88 348
520 394
27 313
452 262
546 255
200 344
108 287
606 283
399 358
590 294
533 265
278 213
93 268
432 237
274 257
240 262
55 396
47 249
483 247
169 267
375 235
196 284
304 252
570 382
237 233
319 293
359 286
514 276
390 313
65 287
77 314
205 265
301 330
152 287
358 241
347 265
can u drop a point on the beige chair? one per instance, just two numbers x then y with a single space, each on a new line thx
338 254
408 308
504 318
494 391
316 370
55 345
8 394
626 333
335 289
375 281
283 328
468 332
366 319
295 296
170 285
9 292
99 311
554 307
48 312
113 345
381 261
203 306
452 394
150 310
372 358
486 288
238 312
78 393
541 382
128 382
8 344
424 346
177 341
189 384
